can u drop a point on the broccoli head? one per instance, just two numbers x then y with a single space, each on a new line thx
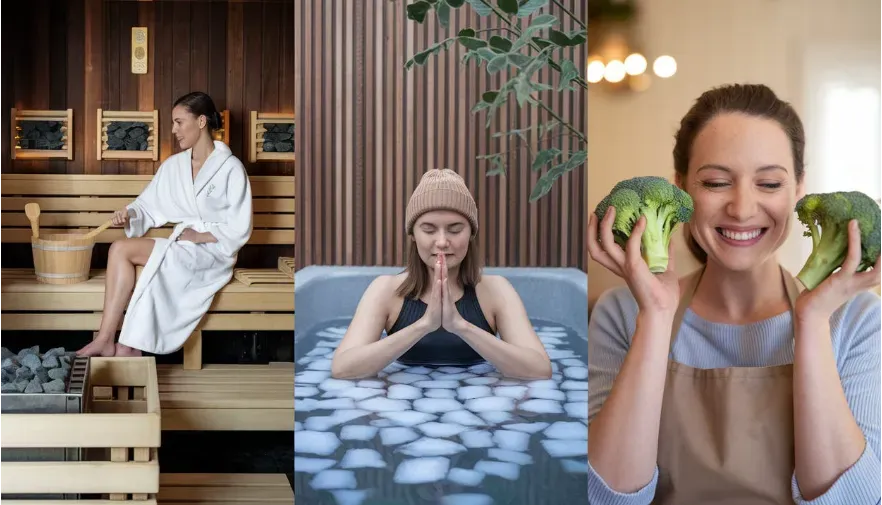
665 207
826 217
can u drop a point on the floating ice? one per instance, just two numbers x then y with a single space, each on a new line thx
349 497
312 465
576 372
440 393
577 396
512 440
547 394
550 340
310 377
371 384
408 417
305 391
452 376
325 343
462 417
567 430
403 392
334 479
315 442
527 427
381 423
323 351
505 470
431 447
334 403
305 405
335 384
394 367
518 458
490 404
397 435
543 384
322 423
405 377
476 439
565 448
541 406
338 330
436 405
436 384
559 353
470 392
516 392
383 405
575 385
464 477
359 393
421 470
362 458
451 369
579 410
495 417
441 430
420 370
298 426
466 499
553 329
573 362
358 432
510 382
556 377
482 368
481 381
573 466
320 364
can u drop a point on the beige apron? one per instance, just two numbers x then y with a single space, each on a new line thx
726 434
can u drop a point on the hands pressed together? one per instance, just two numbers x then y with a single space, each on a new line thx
441 311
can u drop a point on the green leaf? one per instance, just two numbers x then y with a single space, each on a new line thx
471 42
531 6
544 184
480 106
567 74
486 53
509 6
542 187
522 92
489 96
543 21
496 64
500 44
421 57
547 127
544 157
558 38
520 60
456 4
577 37
443 11
480 7
541 43
417 11
466 32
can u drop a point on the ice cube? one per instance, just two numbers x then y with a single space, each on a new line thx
451 369
543 384
358 432
476 439
315 442
441 430
383 405
518 458
305 405
439 393
574 385
567 430
547 394
509 382
421 470
318 351
405 378
573 362
382 423
335 384
470 392
573 466
481 381
362 458
431 447
577 396
490 404
495 417
408 417
371 384
359 393
565 448
509 471
578 410
334 479
305 391
325 343
322 364
527 427
419 370
482 368
512 440
298 426
312 465
516 392
464 477
446 384
310 377
550 340
576 372
397 435
436 405
462 417
334 404
559 353
541 406
403 392
455 376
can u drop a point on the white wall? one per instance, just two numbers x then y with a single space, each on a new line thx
715 42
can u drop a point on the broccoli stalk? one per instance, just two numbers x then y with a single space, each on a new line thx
664 205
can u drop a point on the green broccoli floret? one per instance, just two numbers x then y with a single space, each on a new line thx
665 207
826 217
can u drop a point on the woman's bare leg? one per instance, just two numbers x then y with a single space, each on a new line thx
122 259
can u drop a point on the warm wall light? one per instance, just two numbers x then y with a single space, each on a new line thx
635 64
665 66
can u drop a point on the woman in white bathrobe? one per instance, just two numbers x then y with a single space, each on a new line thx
204 190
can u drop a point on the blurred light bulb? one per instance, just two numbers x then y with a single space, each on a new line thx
635 64
615 71
664 66
595 71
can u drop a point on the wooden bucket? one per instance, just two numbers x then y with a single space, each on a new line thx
62 258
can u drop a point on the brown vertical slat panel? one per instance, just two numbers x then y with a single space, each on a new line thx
128 82
236 79
181 57
200 36
164 63
146 86
56 55
110 91
368 129
217 56
76 68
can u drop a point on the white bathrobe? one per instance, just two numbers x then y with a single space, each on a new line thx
181 278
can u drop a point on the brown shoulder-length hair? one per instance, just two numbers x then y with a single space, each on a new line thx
418 273
752 99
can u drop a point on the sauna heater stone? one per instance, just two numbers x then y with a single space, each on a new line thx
127 136
57 384
279 137
43 135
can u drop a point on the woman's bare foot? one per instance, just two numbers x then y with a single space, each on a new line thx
98 347
125 351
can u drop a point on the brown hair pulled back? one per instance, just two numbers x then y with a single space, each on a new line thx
755 100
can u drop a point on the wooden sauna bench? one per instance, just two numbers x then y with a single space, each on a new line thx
255 300
223 489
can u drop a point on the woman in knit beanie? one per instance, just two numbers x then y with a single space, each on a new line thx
441 310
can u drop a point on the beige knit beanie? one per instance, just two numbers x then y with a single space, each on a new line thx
441 189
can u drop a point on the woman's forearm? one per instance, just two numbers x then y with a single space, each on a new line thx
511 360
623 438
367 360
827 438
206 237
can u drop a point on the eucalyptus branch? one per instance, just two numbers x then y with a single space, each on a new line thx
561 121
563 8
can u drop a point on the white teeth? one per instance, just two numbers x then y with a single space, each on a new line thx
741 235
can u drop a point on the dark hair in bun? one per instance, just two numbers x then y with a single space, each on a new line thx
200 104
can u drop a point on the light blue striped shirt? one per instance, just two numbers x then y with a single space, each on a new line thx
855 331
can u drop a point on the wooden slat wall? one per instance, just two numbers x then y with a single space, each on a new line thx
239 52
367 130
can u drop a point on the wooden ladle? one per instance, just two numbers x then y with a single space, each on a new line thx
107 224
32 210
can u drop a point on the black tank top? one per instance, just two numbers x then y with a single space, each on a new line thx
441 347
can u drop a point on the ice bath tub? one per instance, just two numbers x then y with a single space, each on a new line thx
447 435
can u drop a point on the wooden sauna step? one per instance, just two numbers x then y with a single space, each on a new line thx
249 276
286 265
223 488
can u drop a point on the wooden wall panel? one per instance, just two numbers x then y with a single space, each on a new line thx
76 54
368 129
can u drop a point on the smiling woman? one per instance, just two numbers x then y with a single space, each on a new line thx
441 310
